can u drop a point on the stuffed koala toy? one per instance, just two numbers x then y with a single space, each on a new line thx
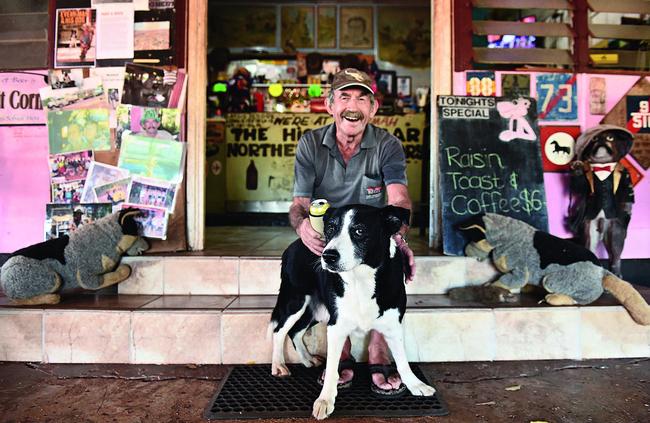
87 258
568 272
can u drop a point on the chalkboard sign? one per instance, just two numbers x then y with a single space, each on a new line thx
490 162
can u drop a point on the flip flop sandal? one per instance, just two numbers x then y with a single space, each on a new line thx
387 370
348 363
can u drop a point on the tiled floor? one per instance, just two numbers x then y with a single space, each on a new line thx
270 241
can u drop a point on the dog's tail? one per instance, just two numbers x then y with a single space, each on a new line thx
630 298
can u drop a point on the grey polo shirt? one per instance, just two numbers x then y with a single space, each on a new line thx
320 171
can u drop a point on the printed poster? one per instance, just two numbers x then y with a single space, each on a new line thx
20 103
115 31
75 38
152 157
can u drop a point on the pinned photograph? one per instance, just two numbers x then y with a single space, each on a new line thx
67 192
75 38
152 192
67 167
152 157
76 130
152 222
65 78
148 86
113 192
61 219
100 174
147 122
89 95
151 35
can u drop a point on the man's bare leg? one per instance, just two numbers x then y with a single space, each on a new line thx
346 374
378 354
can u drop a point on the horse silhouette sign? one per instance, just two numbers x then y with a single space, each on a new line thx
490 162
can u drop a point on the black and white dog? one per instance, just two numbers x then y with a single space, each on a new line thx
355 286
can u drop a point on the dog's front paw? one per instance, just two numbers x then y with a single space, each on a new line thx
280 370
312 361
421 389
322 408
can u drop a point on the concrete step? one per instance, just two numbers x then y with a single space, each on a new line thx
226 329
211 275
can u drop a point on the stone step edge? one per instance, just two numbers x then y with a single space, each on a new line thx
208 275
163 336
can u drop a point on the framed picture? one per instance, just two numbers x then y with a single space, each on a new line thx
386 83
356 28
298 27
403 86
326 27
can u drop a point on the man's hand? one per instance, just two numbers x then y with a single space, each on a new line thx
407 256
311 238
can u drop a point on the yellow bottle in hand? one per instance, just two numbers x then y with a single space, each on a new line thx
316 211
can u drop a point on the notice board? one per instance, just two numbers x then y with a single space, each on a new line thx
490 162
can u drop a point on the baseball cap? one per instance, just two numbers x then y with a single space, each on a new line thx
351 77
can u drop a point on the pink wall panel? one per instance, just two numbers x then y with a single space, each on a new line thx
24 185
556 184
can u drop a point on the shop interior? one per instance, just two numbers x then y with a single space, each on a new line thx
269 69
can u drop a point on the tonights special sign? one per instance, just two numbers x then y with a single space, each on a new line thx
20 103
490 162
261 150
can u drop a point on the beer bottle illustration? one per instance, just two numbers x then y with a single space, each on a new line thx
251 176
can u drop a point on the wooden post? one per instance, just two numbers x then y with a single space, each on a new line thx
197 71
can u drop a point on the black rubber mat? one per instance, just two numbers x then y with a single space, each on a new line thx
250 392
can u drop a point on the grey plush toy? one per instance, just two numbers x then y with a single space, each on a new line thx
87 258
570 273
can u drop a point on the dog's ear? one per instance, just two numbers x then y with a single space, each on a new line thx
473 228
394 217
126 219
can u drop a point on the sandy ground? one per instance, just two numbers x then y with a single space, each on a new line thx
606 391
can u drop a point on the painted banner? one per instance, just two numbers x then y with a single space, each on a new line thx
261 150
20 103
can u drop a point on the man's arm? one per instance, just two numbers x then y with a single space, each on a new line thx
398 195
299 220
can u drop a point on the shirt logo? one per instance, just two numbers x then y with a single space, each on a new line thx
373 191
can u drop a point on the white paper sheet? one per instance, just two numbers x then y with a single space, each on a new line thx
115 31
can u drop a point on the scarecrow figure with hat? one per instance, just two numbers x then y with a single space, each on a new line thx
601 190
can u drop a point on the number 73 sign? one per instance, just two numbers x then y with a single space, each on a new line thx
557 96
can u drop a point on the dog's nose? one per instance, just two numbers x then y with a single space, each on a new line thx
331 256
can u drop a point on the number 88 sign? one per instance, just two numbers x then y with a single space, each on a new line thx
557 96
481 84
